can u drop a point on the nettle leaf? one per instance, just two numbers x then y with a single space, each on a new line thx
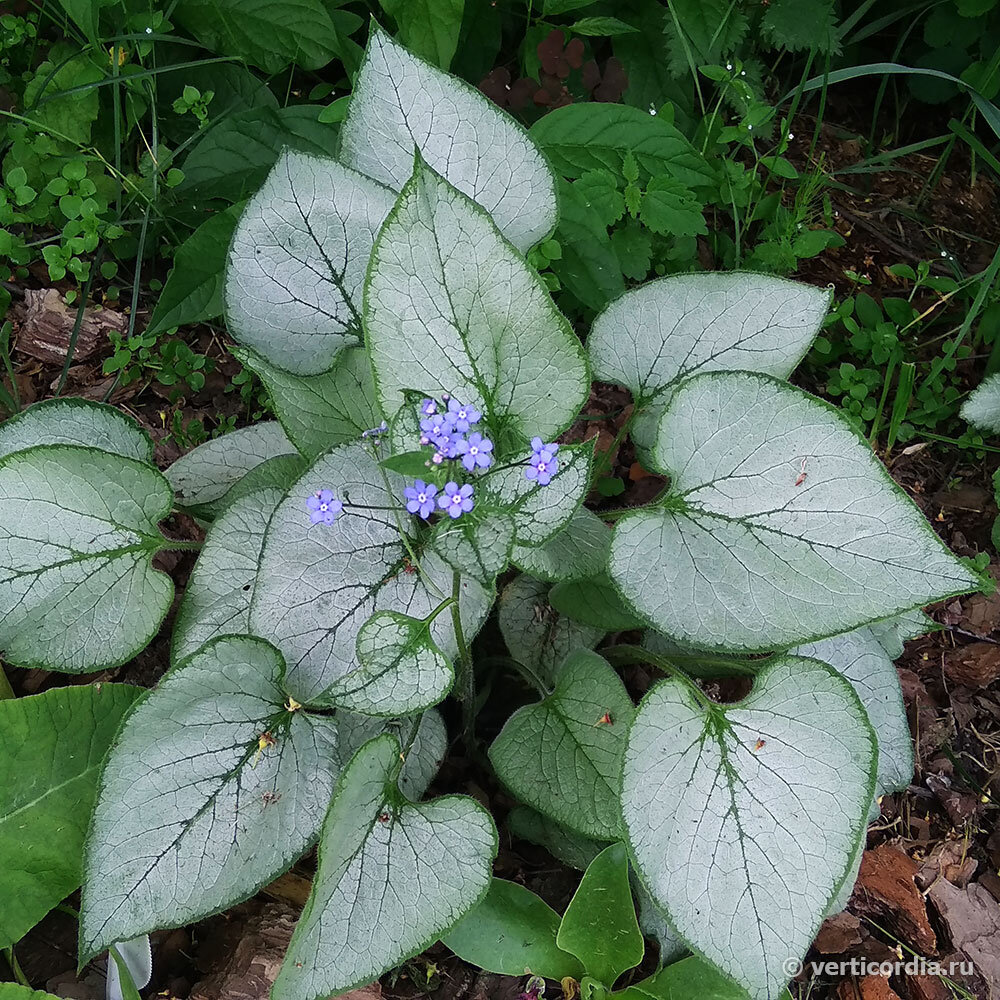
861 657
220 589
206 474
452 307
743 819
401 102
594 602
539 511
535 633
781 526
982 408
575 552
320 411
477 544
78 531
231 789
318 584
401 670
562 755
54 744
75 421
655 336
297 262
393 877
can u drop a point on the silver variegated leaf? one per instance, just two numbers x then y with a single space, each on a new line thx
577 551
982 408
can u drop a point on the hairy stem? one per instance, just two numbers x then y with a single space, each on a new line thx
466 678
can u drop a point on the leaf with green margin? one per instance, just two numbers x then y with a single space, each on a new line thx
982 407
535 633
594 602
318 584
428 28
562 755
451 307
53 747
752 810
862 659
599 925
193 814
400 670
393 876
691 977
654 924
745 554
577 551
565 845
298 260
272 473
476 544
206 473
655 336
193 290
68 420
512 931
320 411
217 599
538 511
78 531
400 101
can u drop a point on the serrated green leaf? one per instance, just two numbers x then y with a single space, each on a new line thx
78 530
392 877
601 27
655 336
702 32
298 260
599 925
510 932
633 246
428 28
13 991
76 421
318 584
801 25
599 190
320 411
753 809
217 599
782 526
53 747
594 602
564 844
401 102
982 408
670 208
206 473
578 551
562 756
451 307
535 633
196 810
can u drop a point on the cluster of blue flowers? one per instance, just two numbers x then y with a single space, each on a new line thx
446 426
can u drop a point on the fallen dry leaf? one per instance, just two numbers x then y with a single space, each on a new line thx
868 988
960 806
949 860
839 933
46 325
976 665
972 917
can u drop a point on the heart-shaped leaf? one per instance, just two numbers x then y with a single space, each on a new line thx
575 552
478 545
571 848
392 878
401 102
656 335
562 755
781 525
752 810
982 408
78 530
213 788
451 307
75 421
318 584
594 602
298 259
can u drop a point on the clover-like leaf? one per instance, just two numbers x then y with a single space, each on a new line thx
982 408
320 411
562 756
656 335
781 526
577 551
297 261
392 878
75 421
535 633
400 669
206 474
78 530
217 599
749 813
401 102
318 584
452 307
212 789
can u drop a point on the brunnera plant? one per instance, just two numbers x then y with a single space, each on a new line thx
421 376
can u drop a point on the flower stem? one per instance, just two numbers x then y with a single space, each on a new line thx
466 679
